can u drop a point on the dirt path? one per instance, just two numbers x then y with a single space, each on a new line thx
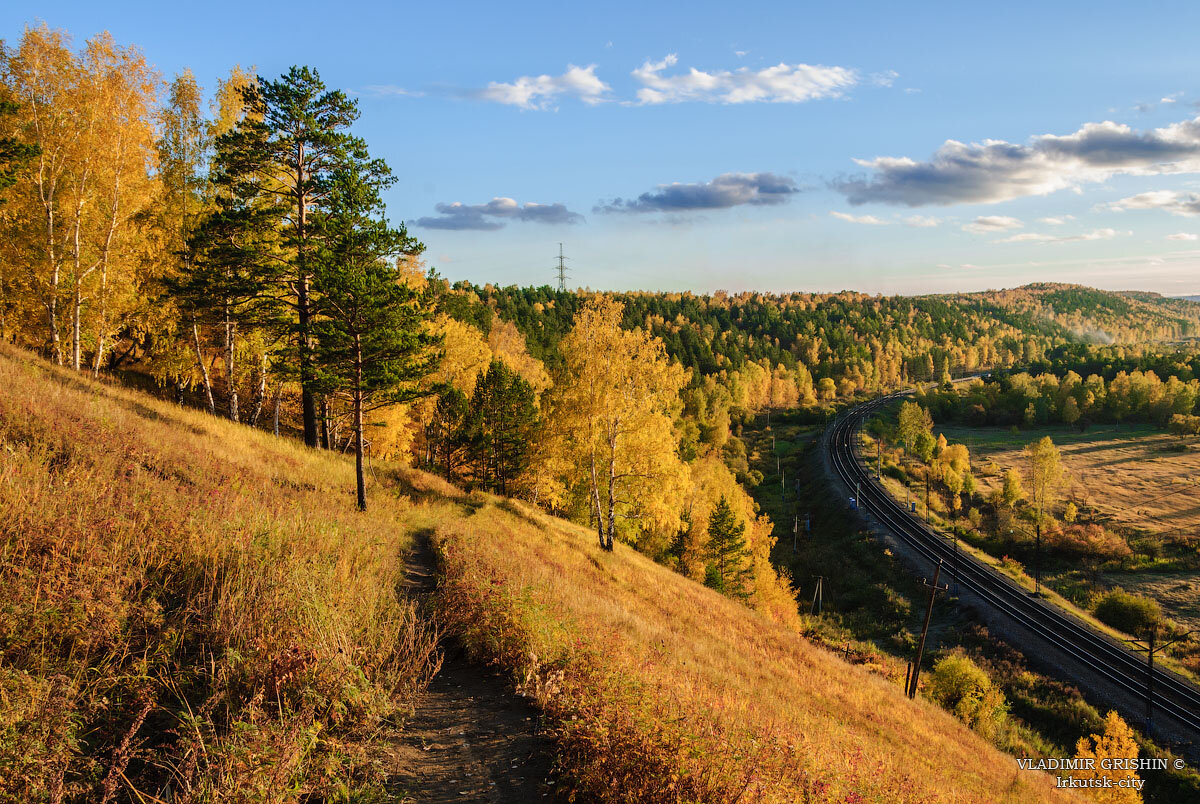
471 738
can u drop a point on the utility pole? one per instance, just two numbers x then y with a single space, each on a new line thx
561 270
926 496
1149 648
916 668
817 595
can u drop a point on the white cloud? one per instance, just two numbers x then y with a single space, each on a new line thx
922 221
392 91
783 83
537 92
1059 221
1183 236
988 224
1186 204
1035 237
870 220
995 170
885 78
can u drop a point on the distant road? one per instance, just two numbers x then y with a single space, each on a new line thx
1046 633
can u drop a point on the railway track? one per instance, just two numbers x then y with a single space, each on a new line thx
1176 702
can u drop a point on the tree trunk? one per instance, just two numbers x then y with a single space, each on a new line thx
76 311
102 325
308 402
612 491
275 414
325 441
260 395
55 271
230 382
303 311
208 394
596 501
358 423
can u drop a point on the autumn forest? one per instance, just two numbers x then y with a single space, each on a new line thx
226 251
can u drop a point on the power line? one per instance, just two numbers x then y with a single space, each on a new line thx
561 270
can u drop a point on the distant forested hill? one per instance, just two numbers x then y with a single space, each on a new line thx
847 336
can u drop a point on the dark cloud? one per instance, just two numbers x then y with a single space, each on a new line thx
726 190
492 215
999 171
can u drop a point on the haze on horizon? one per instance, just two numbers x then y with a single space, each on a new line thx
879 149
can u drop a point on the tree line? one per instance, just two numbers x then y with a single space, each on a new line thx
1026 400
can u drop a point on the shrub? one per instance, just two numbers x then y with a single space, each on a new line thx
1128 612
961 687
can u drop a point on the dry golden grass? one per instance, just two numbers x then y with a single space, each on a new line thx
193 604
1135 478
1131 474
662 690
188 604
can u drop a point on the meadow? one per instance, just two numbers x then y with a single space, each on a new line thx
1133 478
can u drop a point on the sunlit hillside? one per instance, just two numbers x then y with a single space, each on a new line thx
194 606
190 607
663 690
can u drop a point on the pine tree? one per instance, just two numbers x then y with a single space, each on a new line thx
448 431
505 419
371 341
730 569
293 138
222 280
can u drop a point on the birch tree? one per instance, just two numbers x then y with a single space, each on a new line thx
617 407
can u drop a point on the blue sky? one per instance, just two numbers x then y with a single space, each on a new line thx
760 146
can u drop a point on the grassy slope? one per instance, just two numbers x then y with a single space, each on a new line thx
187 602
193 602
650 676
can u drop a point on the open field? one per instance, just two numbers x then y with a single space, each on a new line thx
1134 480
1131 474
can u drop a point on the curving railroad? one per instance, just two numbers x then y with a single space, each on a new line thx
1121 671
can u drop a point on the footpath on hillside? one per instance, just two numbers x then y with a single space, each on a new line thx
471 738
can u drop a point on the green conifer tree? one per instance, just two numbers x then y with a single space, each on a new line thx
729 570
371 342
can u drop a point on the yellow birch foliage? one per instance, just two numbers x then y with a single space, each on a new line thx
508 344
1116 743
617 410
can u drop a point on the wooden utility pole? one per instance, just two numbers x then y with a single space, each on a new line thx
1149 648
916 670
818 599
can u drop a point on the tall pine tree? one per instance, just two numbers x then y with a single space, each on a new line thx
371 341
505 420
292 140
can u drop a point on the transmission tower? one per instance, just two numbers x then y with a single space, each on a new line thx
561 269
